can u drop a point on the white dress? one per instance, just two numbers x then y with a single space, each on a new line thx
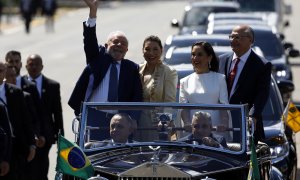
206 88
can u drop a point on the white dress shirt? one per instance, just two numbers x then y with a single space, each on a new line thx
90 22
18 82
243 60
2 92
100 94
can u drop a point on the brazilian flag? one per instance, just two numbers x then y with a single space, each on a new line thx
71 160
253 173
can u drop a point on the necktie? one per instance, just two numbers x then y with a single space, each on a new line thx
232 74
35 83
113 83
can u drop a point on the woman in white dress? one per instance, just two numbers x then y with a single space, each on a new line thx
205 85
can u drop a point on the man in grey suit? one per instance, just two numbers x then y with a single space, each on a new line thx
248 76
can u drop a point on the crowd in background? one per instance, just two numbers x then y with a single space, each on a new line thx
28 9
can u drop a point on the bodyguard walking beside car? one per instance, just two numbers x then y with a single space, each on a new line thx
248 76
5 141
22 149
52 119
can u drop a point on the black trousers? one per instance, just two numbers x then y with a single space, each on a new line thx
39 166
17 162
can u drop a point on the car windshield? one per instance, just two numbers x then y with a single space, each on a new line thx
257 5
217 127
263 39
181 56
187 41
198 15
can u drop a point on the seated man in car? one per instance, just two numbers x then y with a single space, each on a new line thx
121 127
202 132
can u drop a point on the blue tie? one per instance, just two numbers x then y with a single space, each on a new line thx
113 83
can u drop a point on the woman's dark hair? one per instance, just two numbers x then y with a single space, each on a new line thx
214 63
154 39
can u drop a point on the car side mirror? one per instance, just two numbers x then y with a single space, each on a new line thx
293 52
286 87
281 36
287 23
175 23
287 45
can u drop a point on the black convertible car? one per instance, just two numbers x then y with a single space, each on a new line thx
173 152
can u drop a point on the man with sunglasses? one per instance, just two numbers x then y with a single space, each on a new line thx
202 132
248 77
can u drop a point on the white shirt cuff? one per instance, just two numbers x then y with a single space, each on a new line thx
90 22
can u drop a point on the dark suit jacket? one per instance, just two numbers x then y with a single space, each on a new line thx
30 88
52 110
252 87
31 114
98 62
18 117
32 8
5 135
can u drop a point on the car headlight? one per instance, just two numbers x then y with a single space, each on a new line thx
281 73
279 150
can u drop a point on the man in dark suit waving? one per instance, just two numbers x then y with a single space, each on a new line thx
248 76
108 77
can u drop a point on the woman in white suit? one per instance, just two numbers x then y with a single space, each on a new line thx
159 83
205 85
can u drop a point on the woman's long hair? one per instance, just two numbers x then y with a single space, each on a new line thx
214 63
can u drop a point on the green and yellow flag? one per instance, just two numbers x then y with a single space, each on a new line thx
253 168
291 116
72 161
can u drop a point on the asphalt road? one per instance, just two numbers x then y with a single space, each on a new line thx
63 54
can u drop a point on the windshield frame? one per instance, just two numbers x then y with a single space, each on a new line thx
140 105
